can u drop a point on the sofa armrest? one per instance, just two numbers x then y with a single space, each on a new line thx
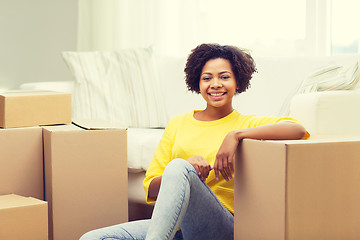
328 113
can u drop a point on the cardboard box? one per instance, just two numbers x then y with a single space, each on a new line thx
21 162
23 218
296 190
85 179
28 108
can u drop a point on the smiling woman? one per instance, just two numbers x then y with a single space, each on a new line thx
217 87
190 177
242 65
218 73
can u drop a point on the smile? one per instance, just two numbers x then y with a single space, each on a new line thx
217 94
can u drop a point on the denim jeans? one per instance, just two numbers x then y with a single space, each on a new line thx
183 201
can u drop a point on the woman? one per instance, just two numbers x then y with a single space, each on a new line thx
191 174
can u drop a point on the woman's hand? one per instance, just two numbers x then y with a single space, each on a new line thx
201 166
224 162
275 131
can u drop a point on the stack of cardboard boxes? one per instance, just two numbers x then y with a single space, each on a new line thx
77 172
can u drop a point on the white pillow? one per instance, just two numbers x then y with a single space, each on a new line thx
117 86
330 78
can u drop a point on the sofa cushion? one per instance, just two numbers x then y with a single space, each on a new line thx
117 86
141 146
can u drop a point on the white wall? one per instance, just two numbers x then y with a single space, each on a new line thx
32 36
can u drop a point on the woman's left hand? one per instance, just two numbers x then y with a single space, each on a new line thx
224 162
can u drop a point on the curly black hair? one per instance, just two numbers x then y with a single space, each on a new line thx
243 65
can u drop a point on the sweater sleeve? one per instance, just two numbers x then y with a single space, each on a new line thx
161 158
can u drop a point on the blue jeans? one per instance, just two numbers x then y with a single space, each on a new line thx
183 201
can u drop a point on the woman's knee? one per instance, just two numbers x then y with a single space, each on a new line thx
128 230
178 169
98 234
89 236
179 165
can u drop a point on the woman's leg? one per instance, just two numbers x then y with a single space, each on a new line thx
184 200
135 230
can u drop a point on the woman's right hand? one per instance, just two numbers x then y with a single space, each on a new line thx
201 166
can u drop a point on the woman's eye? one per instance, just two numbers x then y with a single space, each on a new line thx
206 78
225 77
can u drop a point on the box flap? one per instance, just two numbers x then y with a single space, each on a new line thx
318 139
89 124
13 200
61 128
335 137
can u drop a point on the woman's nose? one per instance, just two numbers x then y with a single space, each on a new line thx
216 83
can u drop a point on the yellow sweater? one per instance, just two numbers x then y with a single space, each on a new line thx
185 137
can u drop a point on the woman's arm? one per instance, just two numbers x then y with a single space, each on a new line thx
154 187
161 157
274 131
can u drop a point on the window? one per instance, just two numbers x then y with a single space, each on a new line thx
274 27
345 33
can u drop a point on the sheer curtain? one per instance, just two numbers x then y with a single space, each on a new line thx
115 24
174 27
169 26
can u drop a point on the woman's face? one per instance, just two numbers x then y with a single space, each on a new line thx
217 83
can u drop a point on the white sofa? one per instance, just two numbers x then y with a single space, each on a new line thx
272 92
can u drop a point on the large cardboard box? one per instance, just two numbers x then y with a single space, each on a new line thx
21 162
296 190
26 108
85 179
23 218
